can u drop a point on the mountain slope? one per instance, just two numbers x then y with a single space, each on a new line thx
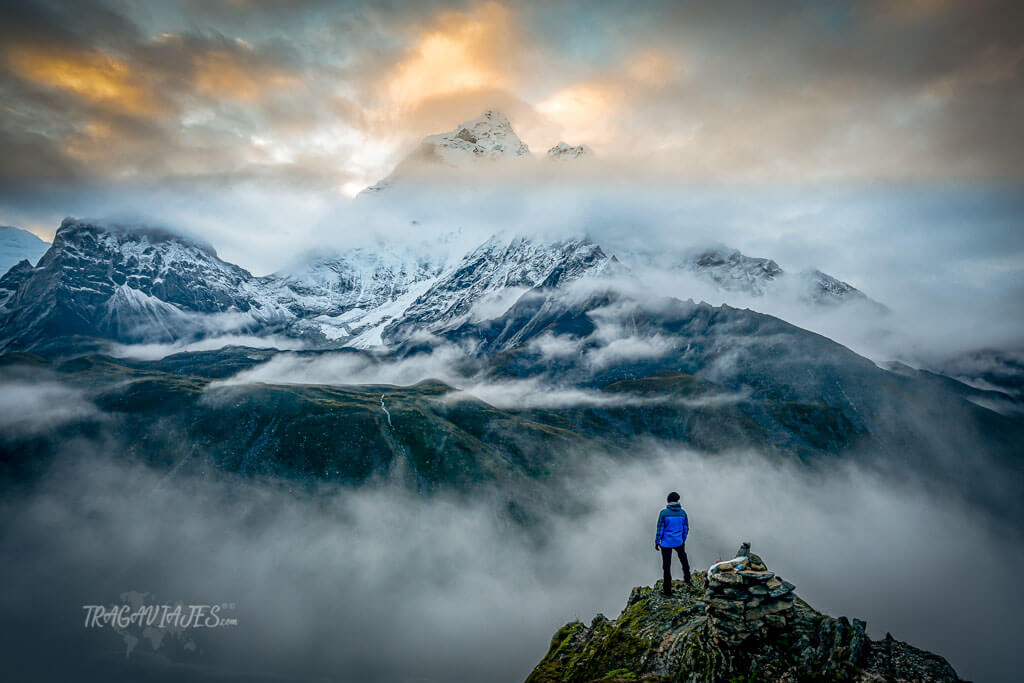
731 271
12 280
146 285
486 138
490 279
806 388
336 297
563 151
19 245
125 284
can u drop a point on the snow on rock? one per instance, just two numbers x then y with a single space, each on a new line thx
733 271
563 151
357 278
18 245
493 268
363 327
12 279
147 285
97 279
487 137
132 315
822 288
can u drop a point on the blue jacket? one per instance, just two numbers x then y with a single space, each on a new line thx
672 527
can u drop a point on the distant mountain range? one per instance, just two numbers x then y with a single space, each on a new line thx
138 284
505 370
563 318
134 285
18 245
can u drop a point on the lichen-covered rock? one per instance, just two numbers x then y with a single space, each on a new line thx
677 639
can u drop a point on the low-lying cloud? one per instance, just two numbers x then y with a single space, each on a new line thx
159 351
35 406
380 585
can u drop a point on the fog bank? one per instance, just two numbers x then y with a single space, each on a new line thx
378 584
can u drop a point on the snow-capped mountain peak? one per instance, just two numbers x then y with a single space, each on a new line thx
732 270
335 296
489 135
105 279
490 278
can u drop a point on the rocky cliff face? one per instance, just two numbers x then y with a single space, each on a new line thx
108 281
498 271
738 622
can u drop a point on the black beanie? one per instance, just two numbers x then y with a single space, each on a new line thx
673 497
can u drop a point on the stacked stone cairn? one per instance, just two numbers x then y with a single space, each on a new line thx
745 599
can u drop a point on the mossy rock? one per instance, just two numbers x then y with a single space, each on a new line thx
662 639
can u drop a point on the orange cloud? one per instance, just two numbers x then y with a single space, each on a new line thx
652 68
460 52
588 110
905 11
222 74
93 76
583 108
92 141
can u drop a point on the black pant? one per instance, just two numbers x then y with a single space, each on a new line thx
666 564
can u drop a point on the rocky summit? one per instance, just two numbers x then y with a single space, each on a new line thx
737 622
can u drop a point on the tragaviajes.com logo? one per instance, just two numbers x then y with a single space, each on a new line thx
136 618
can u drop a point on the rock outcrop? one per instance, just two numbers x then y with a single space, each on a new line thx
563 151
732 624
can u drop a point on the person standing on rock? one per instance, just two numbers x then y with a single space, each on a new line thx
673 527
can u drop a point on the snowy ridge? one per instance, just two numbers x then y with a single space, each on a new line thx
733 271
489 136
124 283
141 283
133 286
12 279
493 275
358 278
132 315
18 245
155 262
337 297
821 288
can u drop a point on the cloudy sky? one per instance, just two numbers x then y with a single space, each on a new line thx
244 119
331 92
